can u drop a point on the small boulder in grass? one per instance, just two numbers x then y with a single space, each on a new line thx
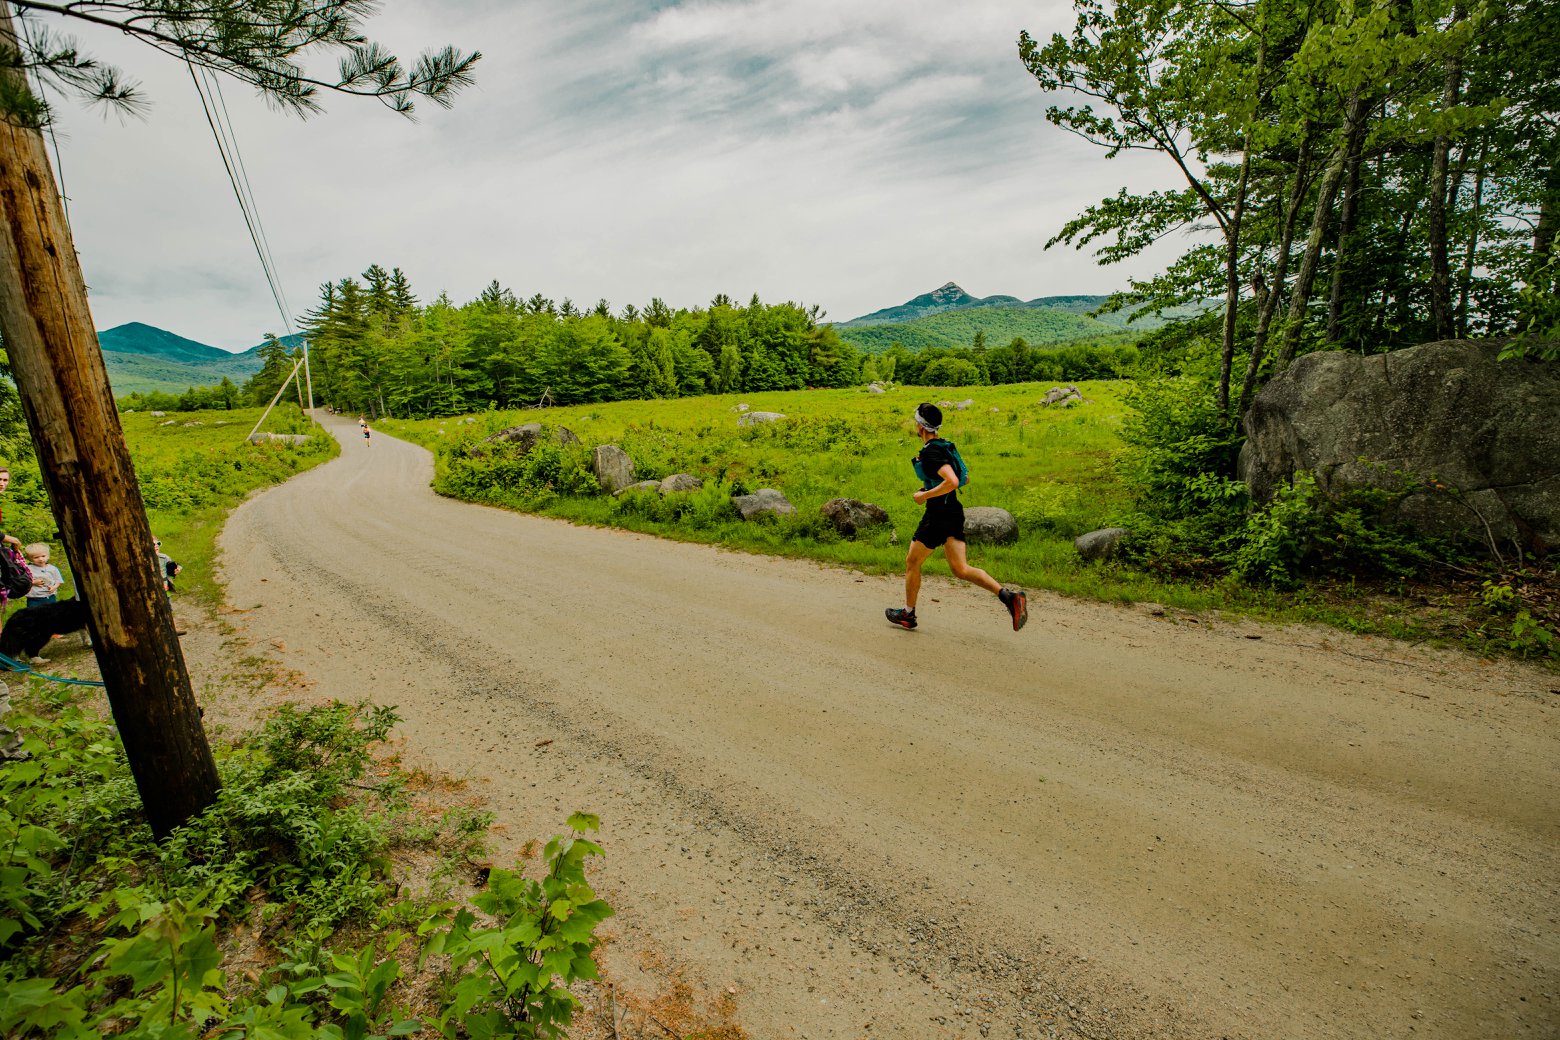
527 436
613 469
763 502
989 525
850 516
749 418
679 483
1099 545
643 485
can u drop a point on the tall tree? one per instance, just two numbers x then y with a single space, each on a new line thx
52 343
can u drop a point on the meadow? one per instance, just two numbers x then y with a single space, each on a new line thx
193 468
1051 467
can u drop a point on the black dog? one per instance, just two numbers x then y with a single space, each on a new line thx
29 630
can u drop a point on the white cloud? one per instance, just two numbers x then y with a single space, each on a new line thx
851 155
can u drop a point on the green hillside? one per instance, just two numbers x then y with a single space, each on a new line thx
1038 326
138 338
140 373
143 358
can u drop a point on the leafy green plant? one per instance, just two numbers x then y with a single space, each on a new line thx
297 829
505 472
1305 530
1175 439
511 979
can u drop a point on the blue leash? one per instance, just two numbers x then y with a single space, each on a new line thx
14 665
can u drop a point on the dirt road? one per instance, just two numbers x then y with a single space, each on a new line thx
1111 824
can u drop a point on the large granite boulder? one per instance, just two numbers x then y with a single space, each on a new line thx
1486 429
678 483
989 524
613 468
763 502
527 436
850 516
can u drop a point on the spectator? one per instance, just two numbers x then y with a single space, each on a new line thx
46 577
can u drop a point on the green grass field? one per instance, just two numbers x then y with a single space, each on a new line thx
193 468
1051 467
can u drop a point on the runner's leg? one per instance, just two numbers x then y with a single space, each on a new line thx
917 555
953 549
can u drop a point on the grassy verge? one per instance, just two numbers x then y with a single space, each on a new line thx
287 910
1052 468
193 468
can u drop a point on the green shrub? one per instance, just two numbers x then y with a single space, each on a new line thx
504 472
104 932
1305 531
511 979
1176 440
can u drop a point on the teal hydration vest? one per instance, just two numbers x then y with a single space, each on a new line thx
931 480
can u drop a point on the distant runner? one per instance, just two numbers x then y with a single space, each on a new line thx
943 524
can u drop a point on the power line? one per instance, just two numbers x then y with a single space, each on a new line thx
251 216
215 84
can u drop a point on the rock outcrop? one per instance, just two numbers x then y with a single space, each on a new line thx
1099 545
749 418
527 436
678 483
1489 431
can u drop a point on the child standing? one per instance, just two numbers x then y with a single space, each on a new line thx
47 578
942 526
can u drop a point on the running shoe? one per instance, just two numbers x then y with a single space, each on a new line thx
900 616
1017 604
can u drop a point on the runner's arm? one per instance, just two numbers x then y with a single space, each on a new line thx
950 482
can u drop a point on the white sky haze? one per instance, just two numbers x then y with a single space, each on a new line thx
848 153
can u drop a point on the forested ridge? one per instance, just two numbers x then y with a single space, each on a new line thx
376 349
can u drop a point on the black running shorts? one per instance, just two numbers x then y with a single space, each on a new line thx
943 520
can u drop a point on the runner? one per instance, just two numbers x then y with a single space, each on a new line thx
942 526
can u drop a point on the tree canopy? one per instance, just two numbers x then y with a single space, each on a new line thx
264 43
374 349
1361 176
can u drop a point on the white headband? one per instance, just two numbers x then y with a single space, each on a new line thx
922 423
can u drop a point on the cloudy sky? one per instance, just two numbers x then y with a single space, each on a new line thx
846 153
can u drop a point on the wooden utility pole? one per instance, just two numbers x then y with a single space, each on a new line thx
63 384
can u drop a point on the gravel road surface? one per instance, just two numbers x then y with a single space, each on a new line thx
1111 824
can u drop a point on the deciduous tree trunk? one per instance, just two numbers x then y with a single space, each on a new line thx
63 385
1440 255
1267 303
1326 192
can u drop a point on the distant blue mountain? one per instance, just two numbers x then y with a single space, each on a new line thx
141 358
950 297
136 338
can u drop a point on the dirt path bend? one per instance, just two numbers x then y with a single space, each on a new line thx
1108 825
